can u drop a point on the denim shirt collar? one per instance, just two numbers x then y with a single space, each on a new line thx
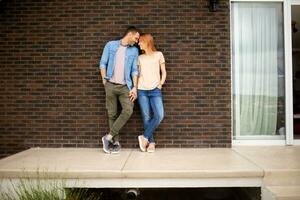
120 43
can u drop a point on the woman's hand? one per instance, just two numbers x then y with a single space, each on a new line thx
133 94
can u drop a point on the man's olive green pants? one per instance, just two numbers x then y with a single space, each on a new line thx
115 93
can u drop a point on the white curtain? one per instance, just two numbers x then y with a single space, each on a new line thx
255 67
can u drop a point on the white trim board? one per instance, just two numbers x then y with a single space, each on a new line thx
258 142
296 142
257 0
295 2
142 183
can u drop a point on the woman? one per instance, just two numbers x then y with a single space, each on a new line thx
151 79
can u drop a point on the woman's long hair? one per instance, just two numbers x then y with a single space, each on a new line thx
148 39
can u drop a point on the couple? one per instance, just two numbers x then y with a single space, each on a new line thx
126 76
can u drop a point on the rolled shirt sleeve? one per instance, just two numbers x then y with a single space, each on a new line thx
104 57
161 59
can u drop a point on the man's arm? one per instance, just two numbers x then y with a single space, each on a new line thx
135 81
133 91
103 74
134 69
103 62
134 75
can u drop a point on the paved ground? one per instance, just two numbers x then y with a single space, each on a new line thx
165 168
130 163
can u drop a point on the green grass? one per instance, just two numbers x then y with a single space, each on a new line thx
82 194
29 190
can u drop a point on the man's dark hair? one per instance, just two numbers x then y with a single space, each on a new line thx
132 29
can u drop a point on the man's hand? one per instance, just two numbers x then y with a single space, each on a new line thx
133 94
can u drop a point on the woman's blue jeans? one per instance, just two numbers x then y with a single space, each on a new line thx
152 110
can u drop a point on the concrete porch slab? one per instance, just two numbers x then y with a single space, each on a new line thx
93 163
63 163
281 164
274 168
281 193
272 158
190 163
132 168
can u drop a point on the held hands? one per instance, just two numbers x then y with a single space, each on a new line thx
133 94
104 81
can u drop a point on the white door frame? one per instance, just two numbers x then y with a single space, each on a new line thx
289 13
289 139
288 73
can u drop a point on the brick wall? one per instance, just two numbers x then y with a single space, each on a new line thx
51 93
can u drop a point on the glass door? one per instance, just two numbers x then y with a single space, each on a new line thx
258 72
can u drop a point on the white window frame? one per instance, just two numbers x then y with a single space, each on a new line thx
289 135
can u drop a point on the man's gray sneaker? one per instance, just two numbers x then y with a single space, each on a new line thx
106 143
115 148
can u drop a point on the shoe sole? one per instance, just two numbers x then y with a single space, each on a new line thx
115 152
112 152
150 151
141 143
105 150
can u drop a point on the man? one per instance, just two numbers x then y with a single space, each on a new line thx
118 66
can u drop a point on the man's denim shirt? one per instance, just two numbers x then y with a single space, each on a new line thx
108 61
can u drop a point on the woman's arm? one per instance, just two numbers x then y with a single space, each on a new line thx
163 74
